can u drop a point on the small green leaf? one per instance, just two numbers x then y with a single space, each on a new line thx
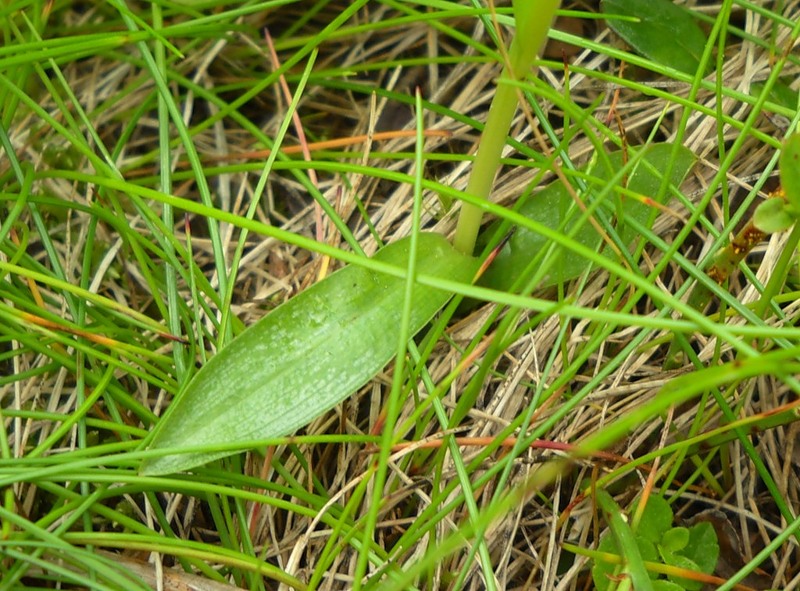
703 547
664 585
625 541
663 31
675 539
304 357
680 561
603 571
656 519
790 172
649 553
773 215
554 207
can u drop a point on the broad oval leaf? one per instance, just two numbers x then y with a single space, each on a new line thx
554 207
663 31
305 356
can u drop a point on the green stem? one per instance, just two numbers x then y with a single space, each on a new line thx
533 23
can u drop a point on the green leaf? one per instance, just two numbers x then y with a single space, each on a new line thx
703 547
675 539
649 553
625 541
602 571
663 31
664 585
680 561
773 215
790 172
780 94
304 357
656 519
554 207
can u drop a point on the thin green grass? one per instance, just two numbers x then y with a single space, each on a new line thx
100 272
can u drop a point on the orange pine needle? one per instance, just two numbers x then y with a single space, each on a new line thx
89 336
331 144
312 147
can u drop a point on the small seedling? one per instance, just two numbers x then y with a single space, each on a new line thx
654 540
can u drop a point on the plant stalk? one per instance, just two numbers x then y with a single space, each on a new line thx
533 22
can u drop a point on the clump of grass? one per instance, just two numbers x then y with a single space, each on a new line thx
113 289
